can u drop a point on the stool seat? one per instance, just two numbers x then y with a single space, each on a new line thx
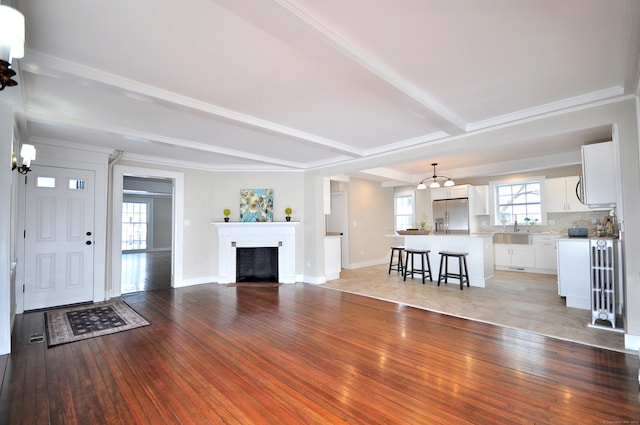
425 265
463 271
398 266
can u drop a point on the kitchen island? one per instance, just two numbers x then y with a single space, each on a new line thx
479 260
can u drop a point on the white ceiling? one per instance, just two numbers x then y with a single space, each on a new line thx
304 84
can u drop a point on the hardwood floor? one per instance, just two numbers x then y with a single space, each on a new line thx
145 271
309 355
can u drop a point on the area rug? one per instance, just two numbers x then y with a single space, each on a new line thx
90 320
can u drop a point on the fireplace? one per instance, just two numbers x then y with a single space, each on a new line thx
257 264
281 236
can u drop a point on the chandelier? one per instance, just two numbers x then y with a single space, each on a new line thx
435 180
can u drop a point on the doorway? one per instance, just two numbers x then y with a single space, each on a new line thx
144 256
147 210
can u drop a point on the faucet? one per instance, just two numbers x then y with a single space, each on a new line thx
515 225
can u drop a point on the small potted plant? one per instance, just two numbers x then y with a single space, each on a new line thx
227 213
288 212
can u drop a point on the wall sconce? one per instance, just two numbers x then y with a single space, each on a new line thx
11 43
28 154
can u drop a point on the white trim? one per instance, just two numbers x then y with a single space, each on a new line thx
369 263
197 281
631 342
53 155
119 171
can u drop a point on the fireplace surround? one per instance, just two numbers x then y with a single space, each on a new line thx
255 235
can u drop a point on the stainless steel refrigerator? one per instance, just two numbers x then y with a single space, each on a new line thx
451 216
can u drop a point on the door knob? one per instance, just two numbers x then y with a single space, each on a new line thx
88 233
88 242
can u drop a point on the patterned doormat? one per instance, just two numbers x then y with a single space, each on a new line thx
90 320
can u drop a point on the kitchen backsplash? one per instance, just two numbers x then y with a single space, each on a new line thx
562 222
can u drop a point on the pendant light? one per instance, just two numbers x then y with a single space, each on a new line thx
435 180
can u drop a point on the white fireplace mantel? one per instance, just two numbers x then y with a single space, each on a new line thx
232 235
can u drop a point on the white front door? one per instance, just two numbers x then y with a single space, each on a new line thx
59 230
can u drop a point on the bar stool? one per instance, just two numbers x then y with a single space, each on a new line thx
463 271
424 257
398 265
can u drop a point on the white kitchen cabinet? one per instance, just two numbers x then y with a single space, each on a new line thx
598 175
560 195
513 256
480 198
453 192
546 256
332 257
574 272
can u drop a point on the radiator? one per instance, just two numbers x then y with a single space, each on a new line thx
603 281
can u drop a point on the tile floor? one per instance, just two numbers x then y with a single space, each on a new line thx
525 301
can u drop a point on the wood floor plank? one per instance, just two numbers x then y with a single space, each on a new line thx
303 354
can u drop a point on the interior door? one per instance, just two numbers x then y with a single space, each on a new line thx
59 227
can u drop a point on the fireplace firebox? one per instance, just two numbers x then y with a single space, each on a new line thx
257 264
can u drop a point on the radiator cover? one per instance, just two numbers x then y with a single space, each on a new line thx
603 258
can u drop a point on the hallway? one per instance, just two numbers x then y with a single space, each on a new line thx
145 271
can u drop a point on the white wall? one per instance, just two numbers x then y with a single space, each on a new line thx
207 194
6 188
162 221
371 219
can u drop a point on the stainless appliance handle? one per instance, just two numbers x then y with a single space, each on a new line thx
579 190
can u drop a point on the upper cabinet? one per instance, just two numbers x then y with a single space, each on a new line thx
480 198
453 192
560 195
598 175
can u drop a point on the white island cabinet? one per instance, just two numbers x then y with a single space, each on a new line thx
574 272
479 260
332 256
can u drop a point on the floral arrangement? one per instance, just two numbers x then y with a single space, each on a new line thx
288 212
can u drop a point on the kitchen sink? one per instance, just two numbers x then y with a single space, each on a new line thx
512 238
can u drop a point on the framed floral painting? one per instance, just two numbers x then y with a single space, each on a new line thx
256 205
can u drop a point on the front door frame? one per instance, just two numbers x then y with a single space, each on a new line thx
56 154
119 171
